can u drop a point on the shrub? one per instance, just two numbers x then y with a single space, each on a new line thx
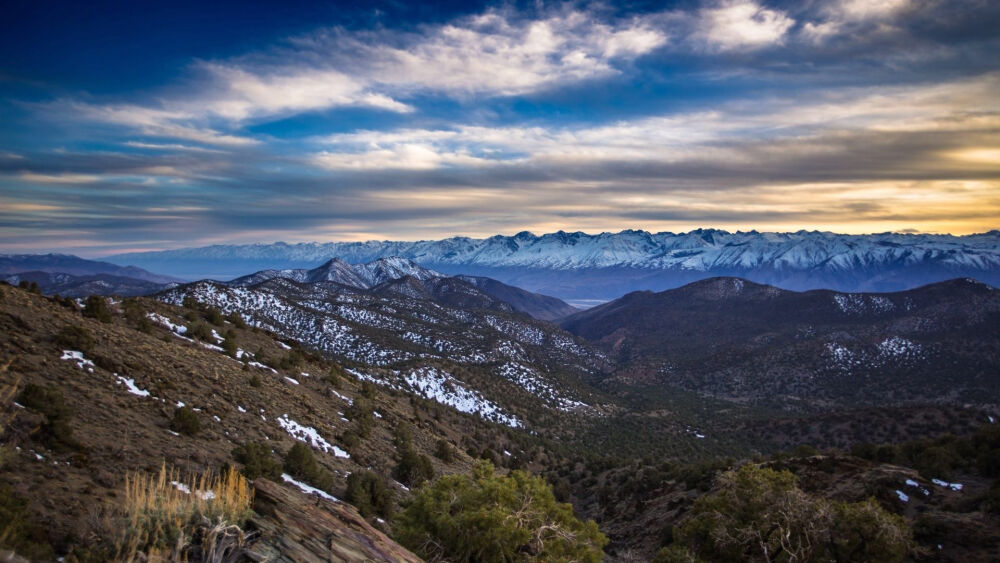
56 432
300 463
257 460
167 519
201 331
97 307
369 493
290 361
185 421
236 319
487 517
444 451
75 338
758 513
229 345
361 413
214 316
413 468
19 531
255 380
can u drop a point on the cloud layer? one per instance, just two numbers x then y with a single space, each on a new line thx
850 115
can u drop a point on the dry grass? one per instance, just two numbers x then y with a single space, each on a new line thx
170 519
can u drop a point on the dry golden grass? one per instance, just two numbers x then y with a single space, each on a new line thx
165 516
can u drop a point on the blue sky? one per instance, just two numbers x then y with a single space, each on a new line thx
158 125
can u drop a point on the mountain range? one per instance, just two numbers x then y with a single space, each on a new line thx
580 266
734 339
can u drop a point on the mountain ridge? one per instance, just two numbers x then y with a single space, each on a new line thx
608 265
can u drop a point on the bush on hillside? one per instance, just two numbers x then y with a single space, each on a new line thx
488 517
96 307
369 493
758 513
301 464
185 421
257 461
74 337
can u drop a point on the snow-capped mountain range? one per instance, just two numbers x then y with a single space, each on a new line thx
360 276
607 265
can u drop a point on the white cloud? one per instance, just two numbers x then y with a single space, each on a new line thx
742 24
238 94
707 135
399 156
842 16
494 53
57 178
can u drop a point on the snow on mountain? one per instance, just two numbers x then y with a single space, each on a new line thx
800 260
361 276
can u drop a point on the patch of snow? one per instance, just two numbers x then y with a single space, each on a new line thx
309 435
130 385
290 380
902 496
81 362
952 486
241 409
205 495
307 489
262 366
165 322
283 345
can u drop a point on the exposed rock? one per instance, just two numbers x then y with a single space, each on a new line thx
299 527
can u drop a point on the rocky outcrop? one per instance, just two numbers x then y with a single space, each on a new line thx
299 527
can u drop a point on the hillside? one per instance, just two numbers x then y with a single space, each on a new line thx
608 265
358 407
75 266
122 383
734 339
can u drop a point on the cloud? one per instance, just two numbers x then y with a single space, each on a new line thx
35 178
238 94
742 24
721 134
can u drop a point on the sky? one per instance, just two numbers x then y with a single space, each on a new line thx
152 125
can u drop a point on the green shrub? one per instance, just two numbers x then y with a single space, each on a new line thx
229 345
236 319
75 338
413 468
56 432
96 307
487 517
201 331
300 463
19 531
444 451
214 316
369 493
362 415
760 514
257 461
185 421
255 380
